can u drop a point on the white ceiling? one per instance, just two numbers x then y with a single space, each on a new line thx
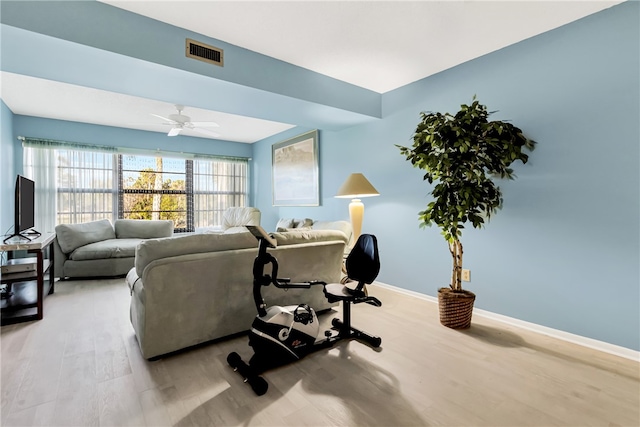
45 98
379 45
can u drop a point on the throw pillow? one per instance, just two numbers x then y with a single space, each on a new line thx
284 223
303 223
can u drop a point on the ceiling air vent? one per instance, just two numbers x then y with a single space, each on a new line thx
204 52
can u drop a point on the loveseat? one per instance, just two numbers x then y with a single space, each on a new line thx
192 289
100 249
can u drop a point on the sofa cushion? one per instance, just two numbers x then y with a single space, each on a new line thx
111 248
153 249
143 228
295 237
72 236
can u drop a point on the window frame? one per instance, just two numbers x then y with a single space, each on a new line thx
187 192
237 193
233 172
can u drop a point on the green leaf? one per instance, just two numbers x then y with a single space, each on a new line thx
462 154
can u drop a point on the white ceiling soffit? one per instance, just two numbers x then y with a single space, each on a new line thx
378 45
32 96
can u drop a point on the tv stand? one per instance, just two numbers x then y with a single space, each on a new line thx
25 291
23 235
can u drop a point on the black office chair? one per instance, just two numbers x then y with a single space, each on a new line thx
363 266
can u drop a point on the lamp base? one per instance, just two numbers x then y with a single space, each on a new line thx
356 213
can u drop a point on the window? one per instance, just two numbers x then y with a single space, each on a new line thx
93 185
85 186
155 188
218 185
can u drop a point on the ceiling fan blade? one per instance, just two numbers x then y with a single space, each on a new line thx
163 118
174 131
206 124
207 132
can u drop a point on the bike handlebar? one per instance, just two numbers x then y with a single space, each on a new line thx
286 284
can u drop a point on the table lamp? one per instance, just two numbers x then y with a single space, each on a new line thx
355 187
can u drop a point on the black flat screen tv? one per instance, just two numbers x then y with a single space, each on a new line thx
25 192
24 208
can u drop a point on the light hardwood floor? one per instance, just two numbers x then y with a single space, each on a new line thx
81 366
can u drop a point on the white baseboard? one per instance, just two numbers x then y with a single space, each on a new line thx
605 347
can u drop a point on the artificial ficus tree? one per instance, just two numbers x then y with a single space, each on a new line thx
463 154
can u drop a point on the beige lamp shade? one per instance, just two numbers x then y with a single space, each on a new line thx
354 187
357 186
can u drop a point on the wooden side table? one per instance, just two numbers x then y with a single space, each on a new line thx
24 296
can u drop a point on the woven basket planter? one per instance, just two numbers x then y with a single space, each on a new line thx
455 307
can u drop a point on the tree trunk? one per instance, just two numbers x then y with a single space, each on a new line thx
455 248
157 186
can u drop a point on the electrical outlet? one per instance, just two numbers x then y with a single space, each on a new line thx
466 275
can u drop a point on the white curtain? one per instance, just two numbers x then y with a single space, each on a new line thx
78 183
40 166
218 184
87 187
74 182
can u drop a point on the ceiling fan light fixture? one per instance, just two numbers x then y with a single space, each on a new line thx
180 118
179 121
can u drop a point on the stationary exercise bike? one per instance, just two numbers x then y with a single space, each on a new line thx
281 335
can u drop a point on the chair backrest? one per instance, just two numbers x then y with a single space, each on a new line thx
239 217
363 262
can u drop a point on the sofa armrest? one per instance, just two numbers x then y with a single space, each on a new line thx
59 259
343 226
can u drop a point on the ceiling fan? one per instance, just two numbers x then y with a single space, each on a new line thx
179 122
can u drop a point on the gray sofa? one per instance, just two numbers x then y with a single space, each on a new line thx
192 289
99 249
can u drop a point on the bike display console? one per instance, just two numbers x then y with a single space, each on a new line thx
261 234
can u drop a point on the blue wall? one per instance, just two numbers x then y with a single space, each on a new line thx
36 127
564 250
7 169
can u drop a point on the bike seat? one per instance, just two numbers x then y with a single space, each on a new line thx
363 265
338 292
